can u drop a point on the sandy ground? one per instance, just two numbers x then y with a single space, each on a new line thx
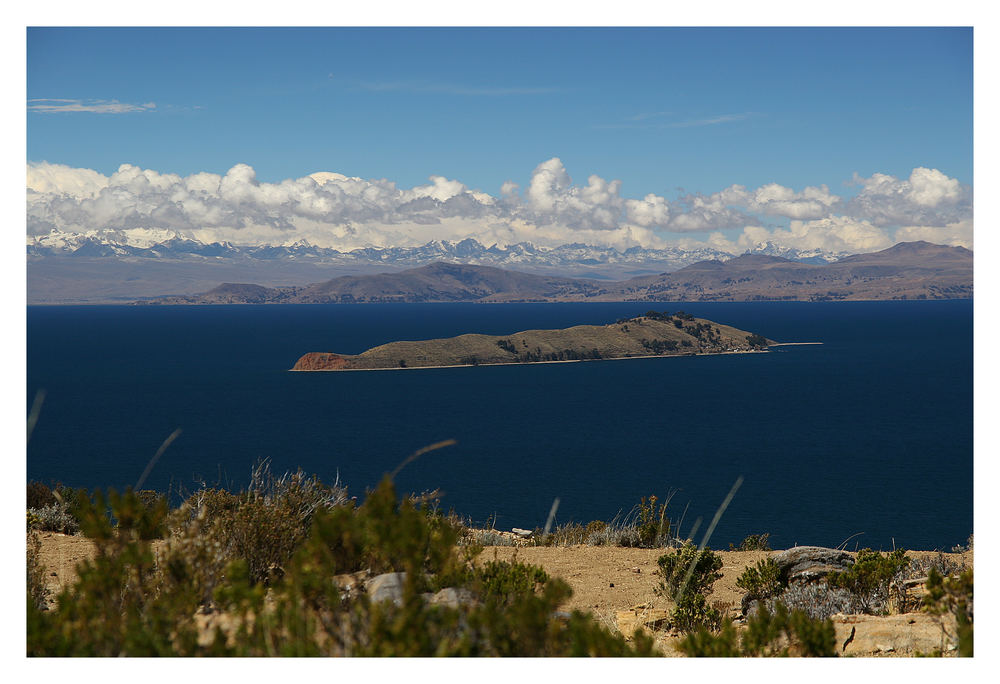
617 586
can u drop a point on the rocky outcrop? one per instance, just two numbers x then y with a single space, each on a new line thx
317 361
386 587
807 563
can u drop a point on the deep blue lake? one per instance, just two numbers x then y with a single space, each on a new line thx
870 432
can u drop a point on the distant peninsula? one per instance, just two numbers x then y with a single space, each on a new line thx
909 270
651 334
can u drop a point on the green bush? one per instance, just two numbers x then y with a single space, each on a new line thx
261 526
262 535
760 582
38 593
125 602
692 611
953 596
869 578
767 634
753 542
687 577
113 609
688 571
653 524
503 583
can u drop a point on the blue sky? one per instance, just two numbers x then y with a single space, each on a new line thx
657 108
816 138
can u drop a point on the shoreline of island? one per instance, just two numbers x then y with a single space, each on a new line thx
535 363
532 363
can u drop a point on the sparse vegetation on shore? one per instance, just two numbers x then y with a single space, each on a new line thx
293 566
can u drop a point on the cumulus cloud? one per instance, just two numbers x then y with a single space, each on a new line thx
831 234
333 210
59 179
551 197
958 234
927 198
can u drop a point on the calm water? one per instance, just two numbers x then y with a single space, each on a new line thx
870 432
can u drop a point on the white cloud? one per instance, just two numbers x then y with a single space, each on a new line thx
833 234
927 198
552 198
710 121
454 89
957 234
59 179
698 213
651 211
333 210
52 105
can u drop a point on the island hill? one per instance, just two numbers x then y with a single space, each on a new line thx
652 334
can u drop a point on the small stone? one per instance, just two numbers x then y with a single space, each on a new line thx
524 534
387 587
637 570
453 598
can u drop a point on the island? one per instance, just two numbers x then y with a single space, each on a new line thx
649 335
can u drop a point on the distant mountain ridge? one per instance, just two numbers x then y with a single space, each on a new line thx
915 270
111 244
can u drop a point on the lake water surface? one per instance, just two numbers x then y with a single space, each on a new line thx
870 432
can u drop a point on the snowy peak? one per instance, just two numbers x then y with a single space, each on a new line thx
168 245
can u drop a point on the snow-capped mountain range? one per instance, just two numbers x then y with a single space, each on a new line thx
160 246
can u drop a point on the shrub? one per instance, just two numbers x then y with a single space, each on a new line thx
953 596
692 611
571 534
688 571
113 609
38 593
653 524
962 548
39 495
487 538
818 601
687 577
261 526
262 535
55 517
753 542
760 582
125 604
869 578
781 633
504 583
615 533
